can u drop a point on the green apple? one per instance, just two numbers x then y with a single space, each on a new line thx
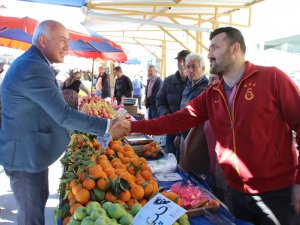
87 221
126 219
102 220
74 222
80 213
115 211
105 205
92 205
135 209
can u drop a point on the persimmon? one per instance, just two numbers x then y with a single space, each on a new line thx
88 183
83 196
103 184
137 192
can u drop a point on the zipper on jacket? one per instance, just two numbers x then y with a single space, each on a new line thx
231 117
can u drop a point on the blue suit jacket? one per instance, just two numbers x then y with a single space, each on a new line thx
35 116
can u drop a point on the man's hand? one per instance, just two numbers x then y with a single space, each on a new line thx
119 128
296 198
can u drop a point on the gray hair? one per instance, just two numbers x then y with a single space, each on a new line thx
42 29
195 57
151 67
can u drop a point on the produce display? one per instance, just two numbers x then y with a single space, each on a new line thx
96 106
151 150
115 175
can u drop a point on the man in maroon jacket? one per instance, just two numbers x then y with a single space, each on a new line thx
253 111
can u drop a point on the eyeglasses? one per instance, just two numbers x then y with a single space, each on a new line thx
193 66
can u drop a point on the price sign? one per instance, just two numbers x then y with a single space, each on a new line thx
158 211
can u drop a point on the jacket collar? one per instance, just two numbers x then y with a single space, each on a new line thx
177 78
249 70
35 50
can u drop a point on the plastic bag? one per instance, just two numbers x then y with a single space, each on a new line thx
166 164
190 194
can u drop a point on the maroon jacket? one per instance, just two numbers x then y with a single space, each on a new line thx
254 141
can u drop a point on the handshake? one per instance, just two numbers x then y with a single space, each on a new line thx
119 127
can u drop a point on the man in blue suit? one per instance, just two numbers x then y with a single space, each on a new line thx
35 118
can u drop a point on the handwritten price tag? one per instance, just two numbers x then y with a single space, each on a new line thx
158 211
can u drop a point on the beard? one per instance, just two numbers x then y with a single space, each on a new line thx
224 65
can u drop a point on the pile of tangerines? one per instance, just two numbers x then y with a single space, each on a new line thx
115 174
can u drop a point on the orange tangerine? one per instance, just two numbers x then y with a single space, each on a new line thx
110 197
110 152
128 177
88 183
109 171
143 201
103 184
125 160
131 202
76 188
125 196
137 192
83 196
128 147
74 207
95 171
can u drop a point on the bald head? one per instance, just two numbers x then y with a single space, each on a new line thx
51 38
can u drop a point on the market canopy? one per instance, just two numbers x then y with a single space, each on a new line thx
17 33
158 26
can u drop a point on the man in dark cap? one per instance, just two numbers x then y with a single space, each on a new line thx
169 97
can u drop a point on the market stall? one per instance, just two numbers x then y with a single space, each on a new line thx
111 184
